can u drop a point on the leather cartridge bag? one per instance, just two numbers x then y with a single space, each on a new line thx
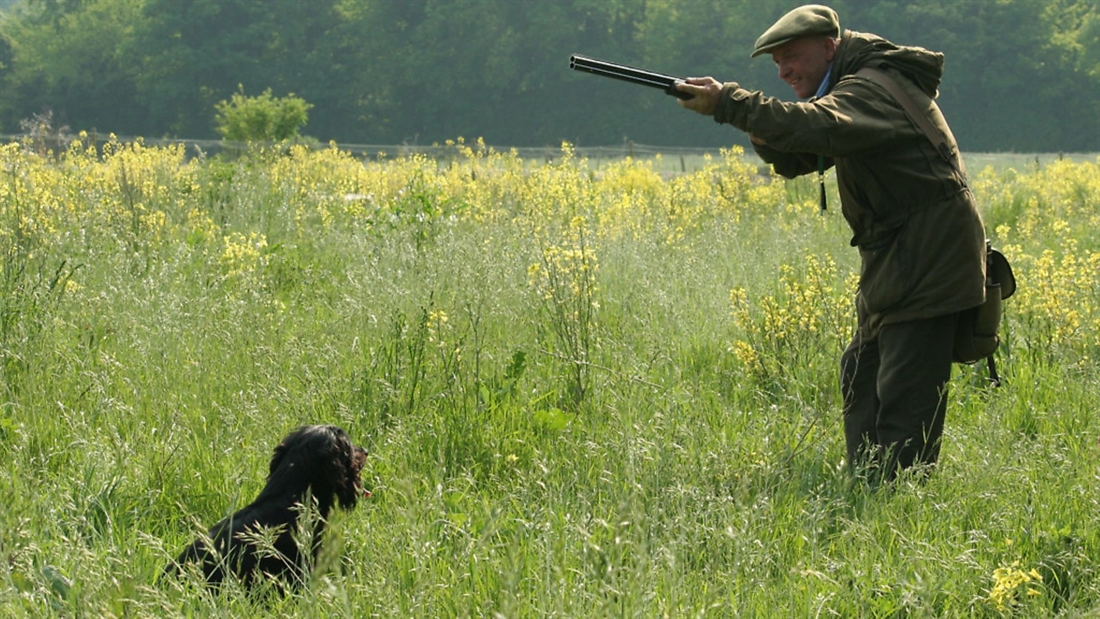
976 334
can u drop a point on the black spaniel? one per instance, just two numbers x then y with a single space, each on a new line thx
319 462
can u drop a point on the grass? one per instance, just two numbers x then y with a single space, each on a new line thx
166 322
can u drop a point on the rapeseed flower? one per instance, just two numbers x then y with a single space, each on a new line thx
1010 582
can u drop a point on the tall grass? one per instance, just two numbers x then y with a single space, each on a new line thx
586 392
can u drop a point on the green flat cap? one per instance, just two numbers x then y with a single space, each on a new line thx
812 19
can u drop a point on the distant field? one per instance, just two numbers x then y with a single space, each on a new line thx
588 389
1024 162
681 161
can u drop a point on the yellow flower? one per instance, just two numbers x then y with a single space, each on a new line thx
1007 581
242 254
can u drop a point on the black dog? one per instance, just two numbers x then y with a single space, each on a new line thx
314 461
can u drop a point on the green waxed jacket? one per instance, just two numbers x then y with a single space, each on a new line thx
917 227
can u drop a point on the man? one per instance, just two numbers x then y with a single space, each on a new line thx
919 234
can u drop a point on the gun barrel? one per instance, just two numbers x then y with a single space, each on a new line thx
626 73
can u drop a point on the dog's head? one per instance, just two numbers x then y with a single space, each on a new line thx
327 460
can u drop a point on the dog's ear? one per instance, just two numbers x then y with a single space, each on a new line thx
336 450
345 461
341 440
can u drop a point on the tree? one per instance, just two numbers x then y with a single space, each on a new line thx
64 56
1020 74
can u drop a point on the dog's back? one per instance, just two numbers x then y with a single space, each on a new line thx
231 546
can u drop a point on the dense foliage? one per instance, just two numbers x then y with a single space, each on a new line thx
1022 75
589 389
261 119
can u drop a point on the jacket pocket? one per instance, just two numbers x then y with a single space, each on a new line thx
886 275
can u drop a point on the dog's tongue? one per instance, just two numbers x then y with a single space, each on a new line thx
366 493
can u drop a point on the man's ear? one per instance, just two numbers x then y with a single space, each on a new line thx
830 48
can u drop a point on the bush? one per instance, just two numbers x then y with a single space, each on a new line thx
261 119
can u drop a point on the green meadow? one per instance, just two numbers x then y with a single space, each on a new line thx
587 390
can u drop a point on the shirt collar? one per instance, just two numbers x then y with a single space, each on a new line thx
824 87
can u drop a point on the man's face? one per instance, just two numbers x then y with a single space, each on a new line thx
803 62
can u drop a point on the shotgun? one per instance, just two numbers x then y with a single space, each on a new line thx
666 83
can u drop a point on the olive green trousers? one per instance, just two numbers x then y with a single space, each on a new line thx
895 395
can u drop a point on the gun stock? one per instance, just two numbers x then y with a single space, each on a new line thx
667 83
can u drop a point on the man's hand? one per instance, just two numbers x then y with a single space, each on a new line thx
706 91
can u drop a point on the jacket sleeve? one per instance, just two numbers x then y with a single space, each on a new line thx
789 165
848 120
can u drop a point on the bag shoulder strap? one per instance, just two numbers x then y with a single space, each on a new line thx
940 143
916 115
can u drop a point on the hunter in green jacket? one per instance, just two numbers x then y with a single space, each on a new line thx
914 221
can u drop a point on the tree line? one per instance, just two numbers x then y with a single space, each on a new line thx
1021 75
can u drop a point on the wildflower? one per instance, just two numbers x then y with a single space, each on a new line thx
1008 583
437 323
242 254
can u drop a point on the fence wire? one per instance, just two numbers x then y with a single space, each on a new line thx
60 141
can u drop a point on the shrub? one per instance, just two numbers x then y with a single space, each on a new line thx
261 119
